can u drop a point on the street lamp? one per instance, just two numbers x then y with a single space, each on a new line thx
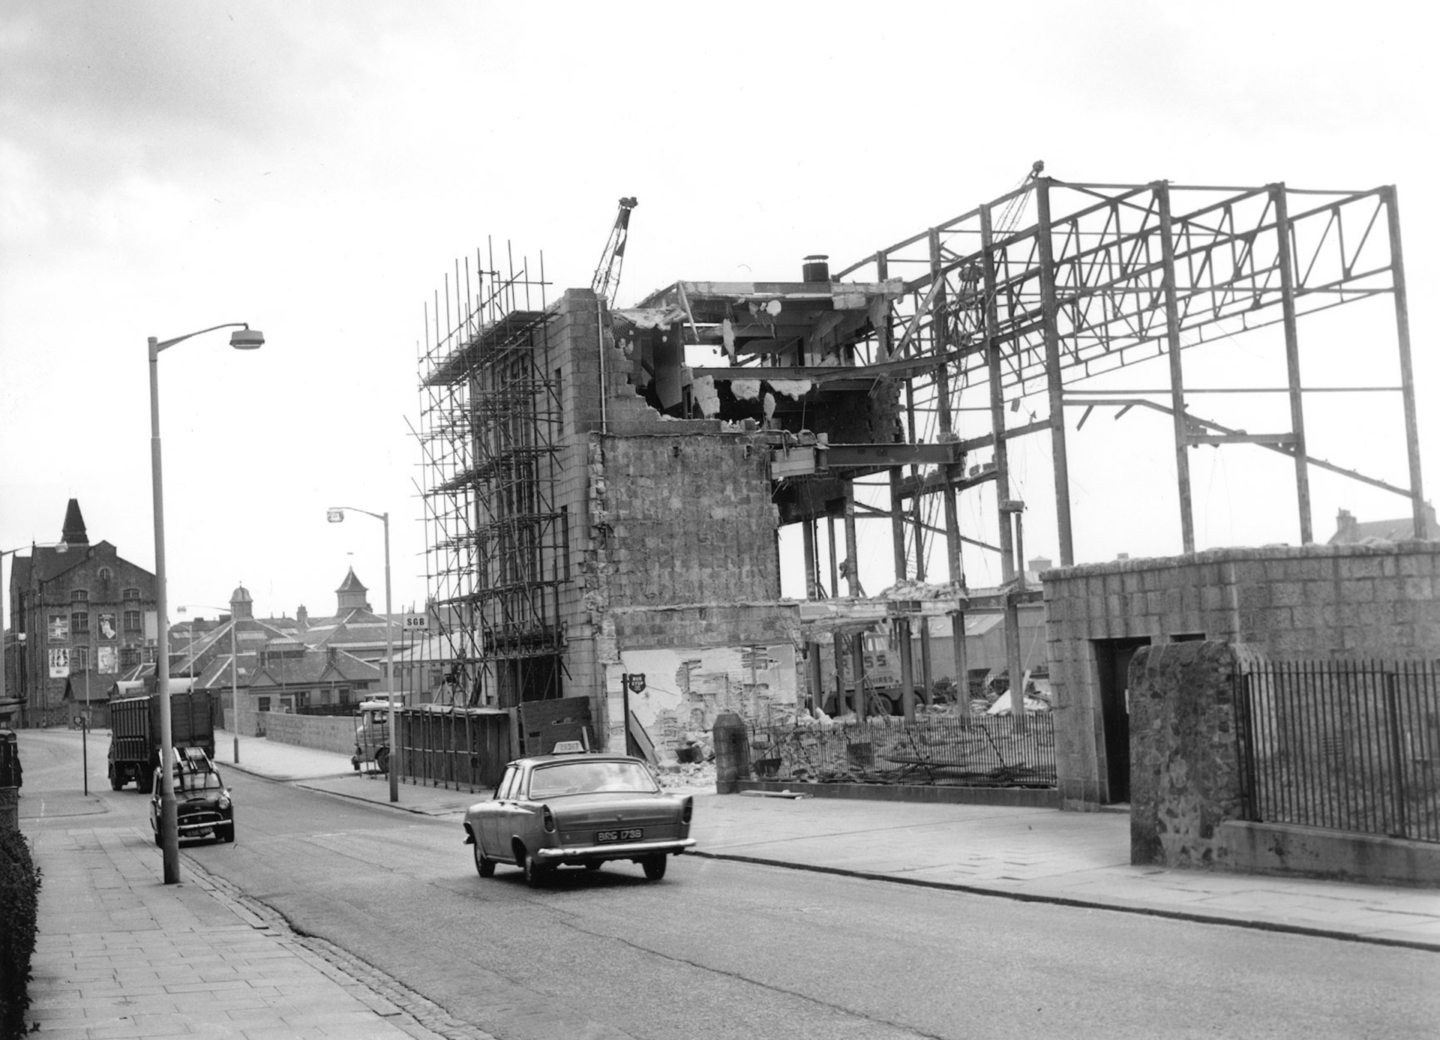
234 674
243 338
336 515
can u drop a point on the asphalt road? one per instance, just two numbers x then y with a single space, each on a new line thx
727 950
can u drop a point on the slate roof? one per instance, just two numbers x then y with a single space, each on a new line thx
313 668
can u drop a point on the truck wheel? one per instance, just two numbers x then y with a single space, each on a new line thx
116 781
382 760
145 782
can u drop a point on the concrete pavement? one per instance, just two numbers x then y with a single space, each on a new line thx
121 955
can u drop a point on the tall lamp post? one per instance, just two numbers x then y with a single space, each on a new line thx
243 338
336 515
234 675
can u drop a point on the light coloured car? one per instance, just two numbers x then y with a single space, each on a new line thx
582 809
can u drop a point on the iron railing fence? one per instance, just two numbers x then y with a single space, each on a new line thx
1342 745
946 749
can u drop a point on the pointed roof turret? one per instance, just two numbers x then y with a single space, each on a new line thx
351 594
74 533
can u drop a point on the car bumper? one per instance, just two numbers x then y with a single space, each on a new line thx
192 826
621 851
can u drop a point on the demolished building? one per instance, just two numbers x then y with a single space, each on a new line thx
605 487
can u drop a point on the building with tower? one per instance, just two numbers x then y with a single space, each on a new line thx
80 615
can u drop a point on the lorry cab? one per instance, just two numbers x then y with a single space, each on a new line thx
372 734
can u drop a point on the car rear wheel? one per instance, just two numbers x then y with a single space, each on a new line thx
484 865
534 872
654 866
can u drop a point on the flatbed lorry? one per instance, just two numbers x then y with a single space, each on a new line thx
135 734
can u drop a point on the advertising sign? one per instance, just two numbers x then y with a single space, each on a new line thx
107 626
59 628
59 662
108 660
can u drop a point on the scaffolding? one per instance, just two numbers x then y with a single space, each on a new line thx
489 422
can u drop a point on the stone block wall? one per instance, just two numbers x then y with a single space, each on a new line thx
691 521
1314 601
1184 769
323 732
671 531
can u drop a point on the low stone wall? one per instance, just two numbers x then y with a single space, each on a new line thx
322 732
1288 849
1186 807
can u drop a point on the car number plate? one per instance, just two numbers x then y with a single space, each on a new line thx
621 834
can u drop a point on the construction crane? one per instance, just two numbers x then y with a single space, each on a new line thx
607 273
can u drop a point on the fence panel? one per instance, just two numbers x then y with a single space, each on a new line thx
960 750
461 748
1350 746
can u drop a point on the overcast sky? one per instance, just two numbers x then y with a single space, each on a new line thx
315 169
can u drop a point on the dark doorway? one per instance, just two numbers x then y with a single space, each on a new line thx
1112 657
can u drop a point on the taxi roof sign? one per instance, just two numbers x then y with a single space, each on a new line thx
569 747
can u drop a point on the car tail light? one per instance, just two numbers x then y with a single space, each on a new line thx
686 812
548 819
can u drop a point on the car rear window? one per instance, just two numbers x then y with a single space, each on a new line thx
565 778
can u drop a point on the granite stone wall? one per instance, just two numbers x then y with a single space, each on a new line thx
1350 601
1184 767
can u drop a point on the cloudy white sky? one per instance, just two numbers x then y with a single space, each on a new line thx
316 168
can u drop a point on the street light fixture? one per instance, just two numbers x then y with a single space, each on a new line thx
244 338
234 674
336 515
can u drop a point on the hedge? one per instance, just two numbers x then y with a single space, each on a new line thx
19 906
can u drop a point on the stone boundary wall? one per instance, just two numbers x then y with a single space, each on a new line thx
322 732
1184 765
1315 601
1186 794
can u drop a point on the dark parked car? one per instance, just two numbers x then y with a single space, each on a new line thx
586 808
203 807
